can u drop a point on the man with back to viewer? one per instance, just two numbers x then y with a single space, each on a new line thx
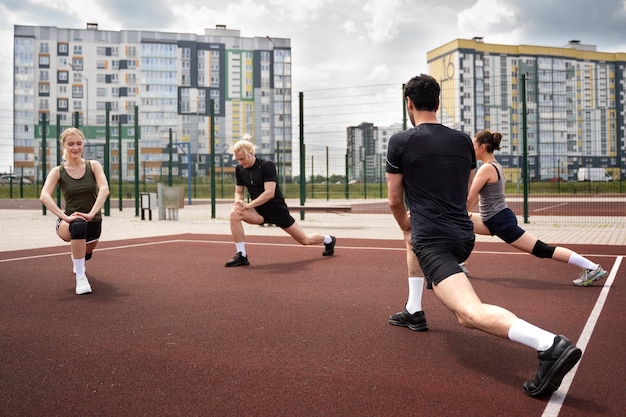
434 166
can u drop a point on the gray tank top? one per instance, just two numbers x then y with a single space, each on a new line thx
491 196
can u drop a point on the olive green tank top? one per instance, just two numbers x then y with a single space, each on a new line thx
79 193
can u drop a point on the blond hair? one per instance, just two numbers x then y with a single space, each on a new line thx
70 131
244 145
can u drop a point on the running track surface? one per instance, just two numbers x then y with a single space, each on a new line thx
168 331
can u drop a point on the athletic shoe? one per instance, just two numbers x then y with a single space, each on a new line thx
554 364
238 260
464 269
82 285
330 247
415 321
589 276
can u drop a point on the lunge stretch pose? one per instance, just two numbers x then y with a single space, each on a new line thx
434 166
85 189
266 204
497 219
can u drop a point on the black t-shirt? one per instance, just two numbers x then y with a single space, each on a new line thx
435 162
253 179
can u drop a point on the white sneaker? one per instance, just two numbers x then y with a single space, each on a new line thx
82 285
589 276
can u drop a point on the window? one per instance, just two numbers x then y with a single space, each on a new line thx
62 49
62 104
44 61
62 77
44 89
77 64
78 50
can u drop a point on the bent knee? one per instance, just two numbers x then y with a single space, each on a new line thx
466 319
236 215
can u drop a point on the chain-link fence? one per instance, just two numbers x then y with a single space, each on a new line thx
569 142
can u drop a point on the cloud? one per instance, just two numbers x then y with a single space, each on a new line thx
335 43
488 17
384 18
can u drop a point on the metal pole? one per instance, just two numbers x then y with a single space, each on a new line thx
43 153
327 177
58 155
302 155
136 161
188 172
169 164
107 162
212 144
525 148
119 162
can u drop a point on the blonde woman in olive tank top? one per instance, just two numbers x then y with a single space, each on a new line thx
496 218
85 189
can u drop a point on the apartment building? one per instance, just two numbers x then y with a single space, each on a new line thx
575 100
147 84
367 149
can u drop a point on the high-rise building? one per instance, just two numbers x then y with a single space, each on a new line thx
78 76
367 149
575 103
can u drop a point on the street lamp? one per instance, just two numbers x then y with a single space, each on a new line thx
86 121
284 107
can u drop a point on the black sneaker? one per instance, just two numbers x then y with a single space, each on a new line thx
554 364
238 260
415 321
330 247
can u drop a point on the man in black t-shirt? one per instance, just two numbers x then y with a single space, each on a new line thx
266 205
433 166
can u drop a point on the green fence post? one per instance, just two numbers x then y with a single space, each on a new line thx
212 115
107 162
525 148
44 151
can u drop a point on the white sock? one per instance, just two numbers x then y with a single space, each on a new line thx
241 247
530 335
581 262
327 239
79 266
416 288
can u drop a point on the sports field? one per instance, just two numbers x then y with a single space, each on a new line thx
168 331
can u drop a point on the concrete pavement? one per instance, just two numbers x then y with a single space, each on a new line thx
26 228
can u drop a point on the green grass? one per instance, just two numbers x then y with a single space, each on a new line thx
201 189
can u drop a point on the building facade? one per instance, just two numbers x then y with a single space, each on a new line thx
150 84
575 103
367 149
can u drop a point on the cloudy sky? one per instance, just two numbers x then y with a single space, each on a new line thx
335 43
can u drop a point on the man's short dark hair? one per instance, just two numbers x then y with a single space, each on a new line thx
423 90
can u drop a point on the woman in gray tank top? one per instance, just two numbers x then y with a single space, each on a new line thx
497 219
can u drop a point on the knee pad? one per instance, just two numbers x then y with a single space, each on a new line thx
88 256
78 229
541 250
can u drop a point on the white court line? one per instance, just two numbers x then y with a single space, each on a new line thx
556 400
550 207
294 245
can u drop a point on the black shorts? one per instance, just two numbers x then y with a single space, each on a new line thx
278 215
441 260
94 229
504 225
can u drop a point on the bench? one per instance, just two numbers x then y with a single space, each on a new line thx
322 209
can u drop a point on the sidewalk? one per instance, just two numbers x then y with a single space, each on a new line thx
27 228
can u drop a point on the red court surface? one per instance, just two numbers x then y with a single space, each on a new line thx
168 331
